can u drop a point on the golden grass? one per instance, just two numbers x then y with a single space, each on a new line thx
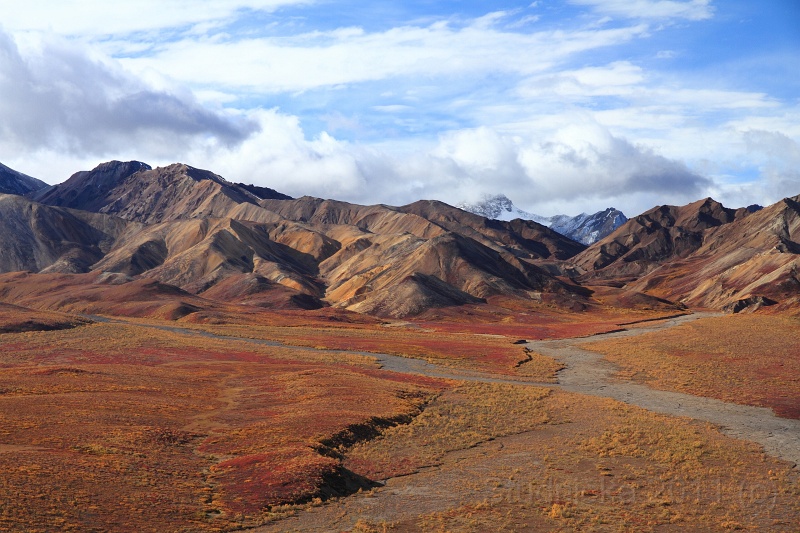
461 418
540 367
653 470
579 464
751 359
14 319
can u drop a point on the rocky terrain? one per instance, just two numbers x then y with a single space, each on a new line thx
704 255
199 233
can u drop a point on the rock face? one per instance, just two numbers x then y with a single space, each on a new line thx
588 229
13 182
135 191
703 254
644 242
753 303
584 228
192 229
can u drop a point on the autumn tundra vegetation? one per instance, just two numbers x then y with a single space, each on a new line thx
183 353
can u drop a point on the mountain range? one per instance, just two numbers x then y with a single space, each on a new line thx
177 241
584 228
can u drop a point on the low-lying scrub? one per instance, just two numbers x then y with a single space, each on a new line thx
121 428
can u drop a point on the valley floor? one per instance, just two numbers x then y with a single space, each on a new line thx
219 428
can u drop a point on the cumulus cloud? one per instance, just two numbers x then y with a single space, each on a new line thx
779 161
575 167
578 164
280 156
60 96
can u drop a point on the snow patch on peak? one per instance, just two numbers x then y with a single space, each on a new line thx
500 207
584 228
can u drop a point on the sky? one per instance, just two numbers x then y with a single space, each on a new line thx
564 106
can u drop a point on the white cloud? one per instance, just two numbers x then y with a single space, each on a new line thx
61 96
280 156
618 78
778 157
447 108
652 9
102 17
574 167
340 57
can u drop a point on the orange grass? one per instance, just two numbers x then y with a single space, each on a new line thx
750 359
487 352
534 323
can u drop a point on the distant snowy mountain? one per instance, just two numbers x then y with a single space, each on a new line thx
583 228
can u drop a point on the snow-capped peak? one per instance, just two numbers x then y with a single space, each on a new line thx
499 207
583 228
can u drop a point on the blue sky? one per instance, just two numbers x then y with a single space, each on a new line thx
563 105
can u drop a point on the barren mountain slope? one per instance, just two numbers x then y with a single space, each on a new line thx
749 262
524 238
378 219
197 254
198 232
135 191
13 182
405 275
401 260
663 234
100 293
90 190
38 238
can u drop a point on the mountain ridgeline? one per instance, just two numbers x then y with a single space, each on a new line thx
584 228
222 241
191 238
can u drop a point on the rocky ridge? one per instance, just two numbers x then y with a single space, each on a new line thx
583 228
192 229
178 228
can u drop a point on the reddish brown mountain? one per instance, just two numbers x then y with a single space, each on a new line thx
203 236
194 230
704 255
135 191
662 234
41 238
